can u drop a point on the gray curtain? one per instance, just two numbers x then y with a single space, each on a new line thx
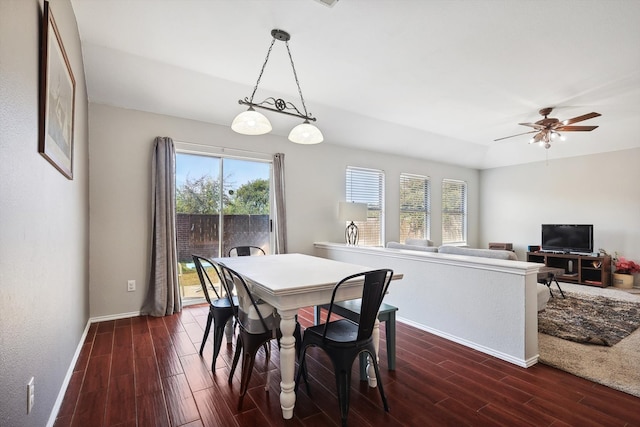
280 211
163 296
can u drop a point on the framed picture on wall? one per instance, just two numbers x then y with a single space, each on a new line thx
57 99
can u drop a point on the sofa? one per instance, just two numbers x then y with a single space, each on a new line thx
424 245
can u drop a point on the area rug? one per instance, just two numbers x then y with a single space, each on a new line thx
617 367
589 319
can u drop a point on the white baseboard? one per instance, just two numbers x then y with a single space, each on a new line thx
523 363
67 378
74 360
114 317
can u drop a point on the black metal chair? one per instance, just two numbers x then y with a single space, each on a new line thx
245 251
220 307
259 324
343 340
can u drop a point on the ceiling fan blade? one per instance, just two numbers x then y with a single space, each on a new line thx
505 137
581 118
576 128
532 125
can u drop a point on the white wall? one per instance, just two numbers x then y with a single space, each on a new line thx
483 303
601 189
120 158
44 222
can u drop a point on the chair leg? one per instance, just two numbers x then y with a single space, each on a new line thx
390 330
236 357
247 368
302 371
380 386
206 332
250 347
218 335
343 383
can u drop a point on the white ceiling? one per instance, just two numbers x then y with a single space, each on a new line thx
436 79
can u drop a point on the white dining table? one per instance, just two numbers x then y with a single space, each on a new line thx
289 282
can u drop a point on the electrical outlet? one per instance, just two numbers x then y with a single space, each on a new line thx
131 285
31 390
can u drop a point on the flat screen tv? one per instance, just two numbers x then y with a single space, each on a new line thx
574 238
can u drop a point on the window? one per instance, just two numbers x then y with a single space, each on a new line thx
367 186
415 207
221 202
454 211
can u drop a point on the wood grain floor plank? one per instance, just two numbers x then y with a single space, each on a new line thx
168 362
83 357
197 371
102 344
121 401
97 374
183 344
180 403
139 325
121 323
147 376
152 410
160 336
106 327
90 409
123 337
143 346
71 395
574 414
122 362
214 410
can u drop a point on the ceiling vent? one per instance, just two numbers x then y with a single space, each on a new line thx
329 3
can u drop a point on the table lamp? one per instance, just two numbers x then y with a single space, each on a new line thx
351 211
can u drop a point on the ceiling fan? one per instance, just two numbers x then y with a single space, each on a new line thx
549 128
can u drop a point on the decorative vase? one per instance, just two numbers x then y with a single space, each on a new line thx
624 281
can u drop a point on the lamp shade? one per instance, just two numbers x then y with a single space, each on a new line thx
350 211
306 133
251 122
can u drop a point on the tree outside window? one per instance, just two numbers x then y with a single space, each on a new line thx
454 212
415 207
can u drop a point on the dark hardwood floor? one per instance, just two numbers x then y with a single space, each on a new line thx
146 371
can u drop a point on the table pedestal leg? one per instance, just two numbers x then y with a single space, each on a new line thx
287 362
371 372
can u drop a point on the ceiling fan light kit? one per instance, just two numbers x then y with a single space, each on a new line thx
548 129
251 122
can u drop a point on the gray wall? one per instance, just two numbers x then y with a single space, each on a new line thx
44 240
120 158
600 189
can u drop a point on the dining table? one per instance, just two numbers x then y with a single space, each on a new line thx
289 282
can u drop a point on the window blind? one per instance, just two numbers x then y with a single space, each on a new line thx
454 211
367 186
415 207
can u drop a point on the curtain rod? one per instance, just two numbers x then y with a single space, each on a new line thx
225 149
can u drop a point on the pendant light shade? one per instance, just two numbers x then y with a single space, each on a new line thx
251 122
306 133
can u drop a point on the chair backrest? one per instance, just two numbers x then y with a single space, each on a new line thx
245 251
201 264
252 314
376 283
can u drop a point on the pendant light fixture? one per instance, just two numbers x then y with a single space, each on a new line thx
252 122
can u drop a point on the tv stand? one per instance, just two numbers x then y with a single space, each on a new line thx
581 269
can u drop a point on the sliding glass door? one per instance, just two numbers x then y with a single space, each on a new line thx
221 202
